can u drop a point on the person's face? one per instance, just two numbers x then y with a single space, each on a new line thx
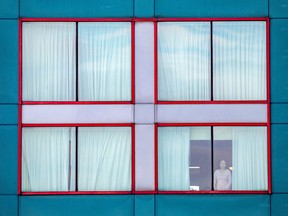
222 164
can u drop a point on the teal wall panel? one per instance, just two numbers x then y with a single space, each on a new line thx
8 114
278 8
9 61
76 8
279 60
8 159
9 8
279 113
279 144
211 8
8 205
222 205
108 205
144 8
144 205
279 205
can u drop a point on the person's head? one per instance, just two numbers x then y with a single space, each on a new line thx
222 164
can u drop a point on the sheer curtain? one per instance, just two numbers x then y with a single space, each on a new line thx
173 158
184 61
249 155
239 60
46 158
104 159
104 61
49 61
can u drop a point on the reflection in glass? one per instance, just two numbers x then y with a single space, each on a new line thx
104 55
239 60
184 61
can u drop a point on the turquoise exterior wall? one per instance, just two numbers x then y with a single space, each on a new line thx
142 205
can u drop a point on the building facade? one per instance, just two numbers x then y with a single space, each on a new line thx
145 111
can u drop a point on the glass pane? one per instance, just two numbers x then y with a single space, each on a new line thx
240 158
47 159
184 61
104 61
184 158
49 61
104 159
239 60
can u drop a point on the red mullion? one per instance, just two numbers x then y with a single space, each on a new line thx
133 62
133 158
210 19
80 125
19 106
215 102
213 192
268 105
74 192
155 63
19 147
210 124
156 157
74 102
75 19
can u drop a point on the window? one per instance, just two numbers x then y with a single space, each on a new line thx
76 159
77 61
212 158
212 61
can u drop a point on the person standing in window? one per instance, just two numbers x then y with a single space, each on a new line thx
222 177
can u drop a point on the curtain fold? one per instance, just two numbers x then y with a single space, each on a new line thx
173 158
104 61
104 159
45 158
184 61
239 60
249 156
49 65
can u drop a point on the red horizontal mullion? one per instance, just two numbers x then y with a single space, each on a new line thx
80 125
75 192
215 102
74 102
214 192
210 124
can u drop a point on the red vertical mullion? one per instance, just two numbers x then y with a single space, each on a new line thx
155 63
19 105
268 105
133 157
156 157
133 62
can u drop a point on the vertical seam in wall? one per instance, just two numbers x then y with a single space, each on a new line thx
155 205
18 205
18 8
154 2
134 203
133 6
268 8
270 200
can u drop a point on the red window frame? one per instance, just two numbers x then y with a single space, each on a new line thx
156 101
132 126
267 125
21 20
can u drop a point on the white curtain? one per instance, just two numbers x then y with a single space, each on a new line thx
239 60
249 156
104 159
46 158
173 158
104 61
49 61
184 61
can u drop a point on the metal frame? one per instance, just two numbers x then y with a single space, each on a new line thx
267 125
21 20
79 192
212 101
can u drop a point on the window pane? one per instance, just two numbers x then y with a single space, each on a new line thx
47 159
184 158
239 60
49 61
104 159
184 61
240 158
104 61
